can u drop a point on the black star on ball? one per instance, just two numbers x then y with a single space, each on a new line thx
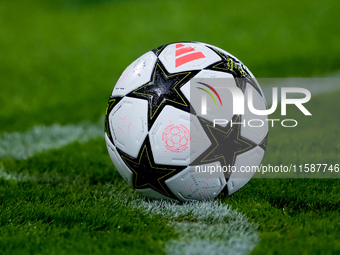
226 143
162 90
148 174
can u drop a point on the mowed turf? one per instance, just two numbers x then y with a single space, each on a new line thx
66 55
58 64
70 200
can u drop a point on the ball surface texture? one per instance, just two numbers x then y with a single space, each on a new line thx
178 125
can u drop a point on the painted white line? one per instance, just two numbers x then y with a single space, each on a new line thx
21 145
205 227
8 176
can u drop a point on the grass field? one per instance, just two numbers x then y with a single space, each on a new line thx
61 195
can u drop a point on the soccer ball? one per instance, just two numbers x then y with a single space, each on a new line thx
170 126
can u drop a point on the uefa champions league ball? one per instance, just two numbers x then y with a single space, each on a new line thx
171 128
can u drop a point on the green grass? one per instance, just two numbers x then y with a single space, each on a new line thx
300 216
58 63
65 201
67 55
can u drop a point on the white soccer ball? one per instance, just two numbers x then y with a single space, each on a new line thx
171 128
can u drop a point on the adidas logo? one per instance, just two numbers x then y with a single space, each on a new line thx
185 54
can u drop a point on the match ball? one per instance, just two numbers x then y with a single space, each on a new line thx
172 128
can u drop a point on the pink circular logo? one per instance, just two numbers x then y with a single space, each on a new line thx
176 138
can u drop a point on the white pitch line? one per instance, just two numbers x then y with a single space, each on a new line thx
21 145
204 227
7 176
